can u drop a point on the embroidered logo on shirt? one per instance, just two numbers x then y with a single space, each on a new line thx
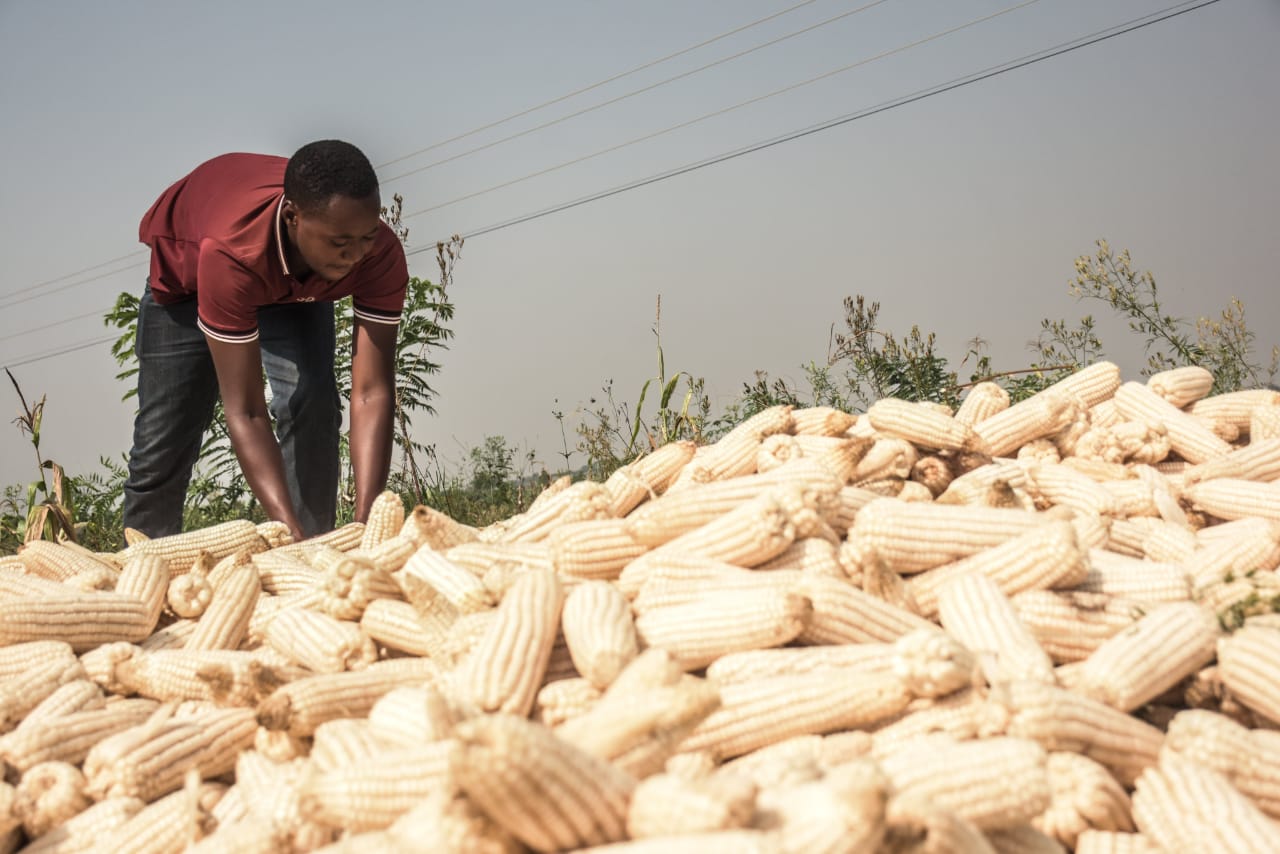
305 299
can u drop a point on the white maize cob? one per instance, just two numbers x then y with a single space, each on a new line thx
596 548
1235 407
1137 580
461 587
1062 720
993 783
759 663
844 614
648 477
699 632
374 793
480 556
599 631
541 789
1115 842
1235 498
1251 544
319 642
564 699
1071 625
1167 645
1192 440
1259 461
922 426
979 615
1264 423
1084 796
820 421
1045 556
386 518
181 550
762 711
669 805
1041 415
504 671
912 821
983 400
1183 386
734 453
888 458
581 501
1183 805
914 537
842 812
1248 661
1249 762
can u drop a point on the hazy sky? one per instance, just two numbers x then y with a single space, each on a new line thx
962 212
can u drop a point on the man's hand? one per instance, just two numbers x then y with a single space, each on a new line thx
239 368
373 393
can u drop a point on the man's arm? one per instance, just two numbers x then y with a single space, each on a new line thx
239 367
373 391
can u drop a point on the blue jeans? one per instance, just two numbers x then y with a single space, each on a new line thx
177 390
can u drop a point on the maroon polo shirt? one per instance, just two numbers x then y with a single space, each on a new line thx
215 236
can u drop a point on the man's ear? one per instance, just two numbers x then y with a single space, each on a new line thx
289 211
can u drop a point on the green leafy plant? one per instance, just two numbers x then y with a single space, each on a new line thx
493 482
613 433
1224 346
864 363
124 317
50 500
100 505
667 423
879 364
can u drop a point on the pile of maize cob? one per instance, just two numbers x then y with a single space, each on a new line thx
1039 627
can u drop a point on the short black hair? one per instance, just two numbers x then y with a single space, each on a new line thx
326 168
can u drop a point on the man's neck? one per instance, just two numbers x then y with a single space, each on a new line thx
298 268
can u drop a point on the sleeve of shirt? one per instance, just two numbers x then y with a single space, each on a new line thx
226 305
381 294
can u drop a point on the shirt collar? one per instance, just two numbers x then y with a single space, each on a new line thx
284 264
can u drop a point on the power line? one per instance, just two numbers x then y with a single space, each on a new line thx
26 360
45 293
650 64
65 276
634 92
919 95
1060 49
723 110
472 132
61 322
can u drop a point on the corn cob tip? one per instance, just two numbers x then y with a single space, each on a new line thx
275 712
133 536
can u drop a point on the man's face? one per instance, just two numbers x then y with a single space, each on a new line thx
333 238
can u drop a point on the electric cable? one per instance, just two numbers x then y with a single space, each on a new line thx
722 111
60 288
42 327
642 67
634 92
40 357
920 94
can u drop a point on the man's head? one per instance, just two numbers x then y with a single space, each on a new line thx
331 206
